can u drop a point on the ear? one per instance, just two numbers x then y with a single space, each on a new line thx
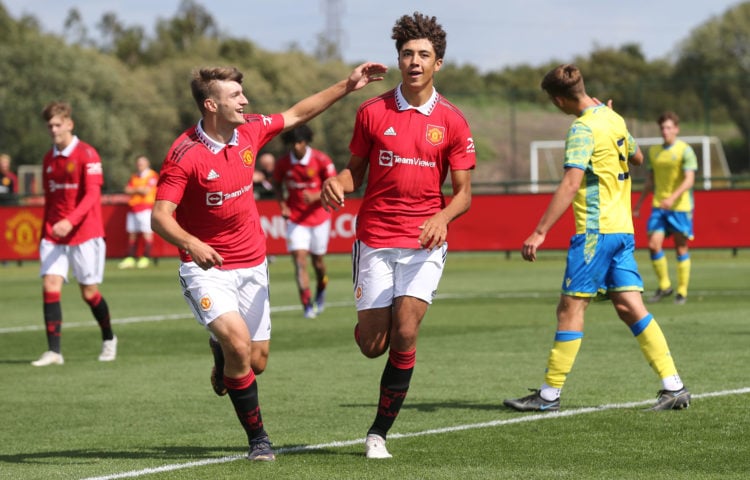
210 105
438 64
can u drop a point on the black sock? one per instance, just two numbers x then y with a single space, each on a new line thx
53 325
394 384
244 395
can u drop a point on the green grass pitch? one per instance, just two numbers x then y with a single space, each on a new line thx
152 414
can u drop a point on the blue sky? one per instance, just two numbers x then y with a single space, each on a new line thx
490 34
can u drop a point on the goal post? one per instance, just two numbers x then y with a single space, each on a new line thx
545 160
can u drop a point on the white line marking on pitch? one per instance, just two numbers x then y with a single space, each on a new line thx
434 431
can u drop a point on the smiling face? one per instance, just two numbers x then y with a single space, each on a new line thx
227 102
418 64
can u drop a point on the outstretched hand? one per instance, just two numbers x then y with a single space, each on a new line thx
364 74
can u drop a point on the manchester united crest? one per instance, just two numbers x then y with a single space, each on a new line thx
247 157
435 134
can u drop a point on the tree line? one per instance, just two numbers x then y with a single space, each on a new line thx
130 89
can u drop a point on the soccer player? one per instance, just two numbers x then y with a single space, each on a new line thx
73 232
302 172
205 206
142 190
409 138
671 175
600 259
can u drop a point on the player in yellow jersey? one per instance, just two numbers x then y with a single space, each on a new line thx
671 175
600 259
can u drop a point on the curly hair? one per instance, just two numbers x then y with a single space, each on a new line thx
418 26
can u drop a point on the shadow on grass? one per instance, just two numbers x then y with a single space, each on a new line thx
159 453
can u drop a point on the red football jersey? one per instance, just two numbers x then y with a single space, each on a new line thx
212 185
72 181
410 151
304 174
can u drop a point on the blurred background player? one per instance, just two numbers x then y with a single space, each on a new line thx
597 182
301 172
142 190
8 180
205 206
671 176
409 138
73 232
263 176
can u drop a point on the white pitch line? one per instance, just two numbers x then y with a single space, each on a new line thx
434 431
291 308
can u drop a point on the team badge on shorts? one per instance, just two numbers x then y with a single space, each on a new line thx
358 292
206 303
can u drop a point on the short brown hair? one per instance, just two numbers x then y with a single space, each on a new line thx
203 81
668 115
564 81
420 26
57 108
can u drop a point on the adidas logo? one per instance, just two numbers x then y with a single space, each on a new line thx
390 132
212 175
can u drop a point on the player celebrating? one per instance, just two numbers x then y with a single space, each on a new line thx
302 172
205 206
410 138
671 175
73 232
598 149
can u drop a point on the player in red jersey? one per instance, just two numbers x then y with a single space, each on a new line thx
205 206
73 232
302 172
410 138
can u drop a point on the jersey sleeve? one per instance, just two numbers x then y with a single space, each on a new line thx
579 146
463 152
689 159
361 141
172 182
92 179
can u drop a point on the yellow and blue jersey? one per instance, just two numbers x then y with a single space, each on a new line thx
668 164
598 142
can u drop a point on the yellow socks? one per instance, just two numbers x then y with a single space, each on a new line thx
561 357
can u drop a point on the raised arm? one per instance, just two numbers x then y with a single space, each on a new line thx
306 109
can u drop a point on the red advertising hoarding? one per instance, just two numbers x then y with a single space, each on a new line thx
494 222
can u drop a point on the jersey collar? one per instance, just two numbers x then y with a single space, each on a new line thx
424 109
304 160
211 144
67 150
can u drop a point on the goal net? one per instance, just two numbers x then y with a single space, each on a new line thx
547 155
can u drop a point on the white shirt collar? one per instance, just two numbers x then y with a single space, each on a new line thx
211 144
67 150
304 160
425 109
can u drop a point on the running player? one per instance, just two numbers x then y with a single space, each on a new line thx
205 206
671 175
600 259
302 172
73 232
410 138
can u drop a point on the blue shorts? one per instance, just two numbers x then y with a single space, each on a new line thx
669 222
599 262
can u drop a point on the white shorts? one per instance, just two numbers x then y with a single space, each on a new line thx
138 222
213 292
87 259
382 274
313 239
